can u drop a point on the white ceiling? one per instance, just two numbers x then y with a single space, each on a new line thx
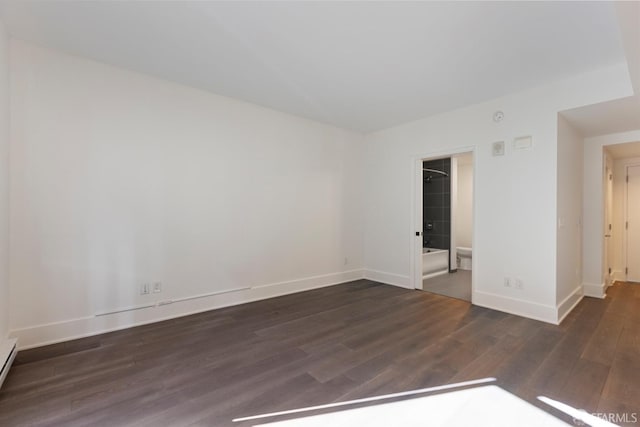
620 115
624 151
359 65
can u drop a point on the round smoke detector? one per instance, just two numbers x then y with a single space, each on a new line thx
498 116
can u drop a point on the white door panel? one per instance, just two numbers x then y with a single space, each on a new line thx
633 223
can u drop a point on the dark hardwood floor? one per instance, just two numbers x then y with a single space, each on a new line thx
338 343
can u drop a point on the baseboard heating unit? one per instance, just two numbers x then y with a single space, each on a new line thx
8 352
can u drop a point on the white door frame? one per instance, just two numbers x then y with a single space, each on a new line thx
608 219
416 212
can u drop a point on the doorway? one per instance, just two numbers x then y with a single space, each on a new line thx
621 198
632 223
443 248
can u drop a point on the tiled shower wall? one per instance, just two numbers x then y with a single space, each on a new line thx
436 220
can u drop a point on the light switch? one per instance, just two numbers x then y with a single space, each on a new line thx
498 148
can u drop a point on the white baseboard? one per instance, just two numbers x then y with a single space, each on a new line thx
596 290
436 274
569 303
618 276
388 278
51 333
7 354
531 310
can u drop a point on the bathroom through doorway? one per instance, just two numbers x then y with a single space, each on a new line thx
444 202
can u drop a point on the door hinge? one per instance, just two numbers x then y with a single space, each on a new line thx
609 270
626 270
609 227
626 225
627 178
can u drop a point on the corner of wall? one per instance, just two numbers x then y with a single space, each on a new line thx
4 184
569 303
7 345
595 290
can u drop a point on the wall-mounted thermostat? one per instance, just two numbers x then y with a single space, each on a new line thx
498 148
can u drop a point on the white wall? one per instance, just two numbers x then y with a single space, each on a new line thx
4 183
119 178
515 195
593 274
569 223
464 208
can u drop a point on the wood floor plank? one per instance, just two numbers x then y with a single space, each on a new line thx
342 342
623 382
488 363
584 385
555 370
602 344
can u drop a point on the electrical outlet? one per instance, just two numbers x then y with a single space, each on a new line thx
145 289
507 282
157 287
519 284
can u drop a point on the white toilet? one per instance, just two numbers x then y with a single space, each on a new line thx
464 258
